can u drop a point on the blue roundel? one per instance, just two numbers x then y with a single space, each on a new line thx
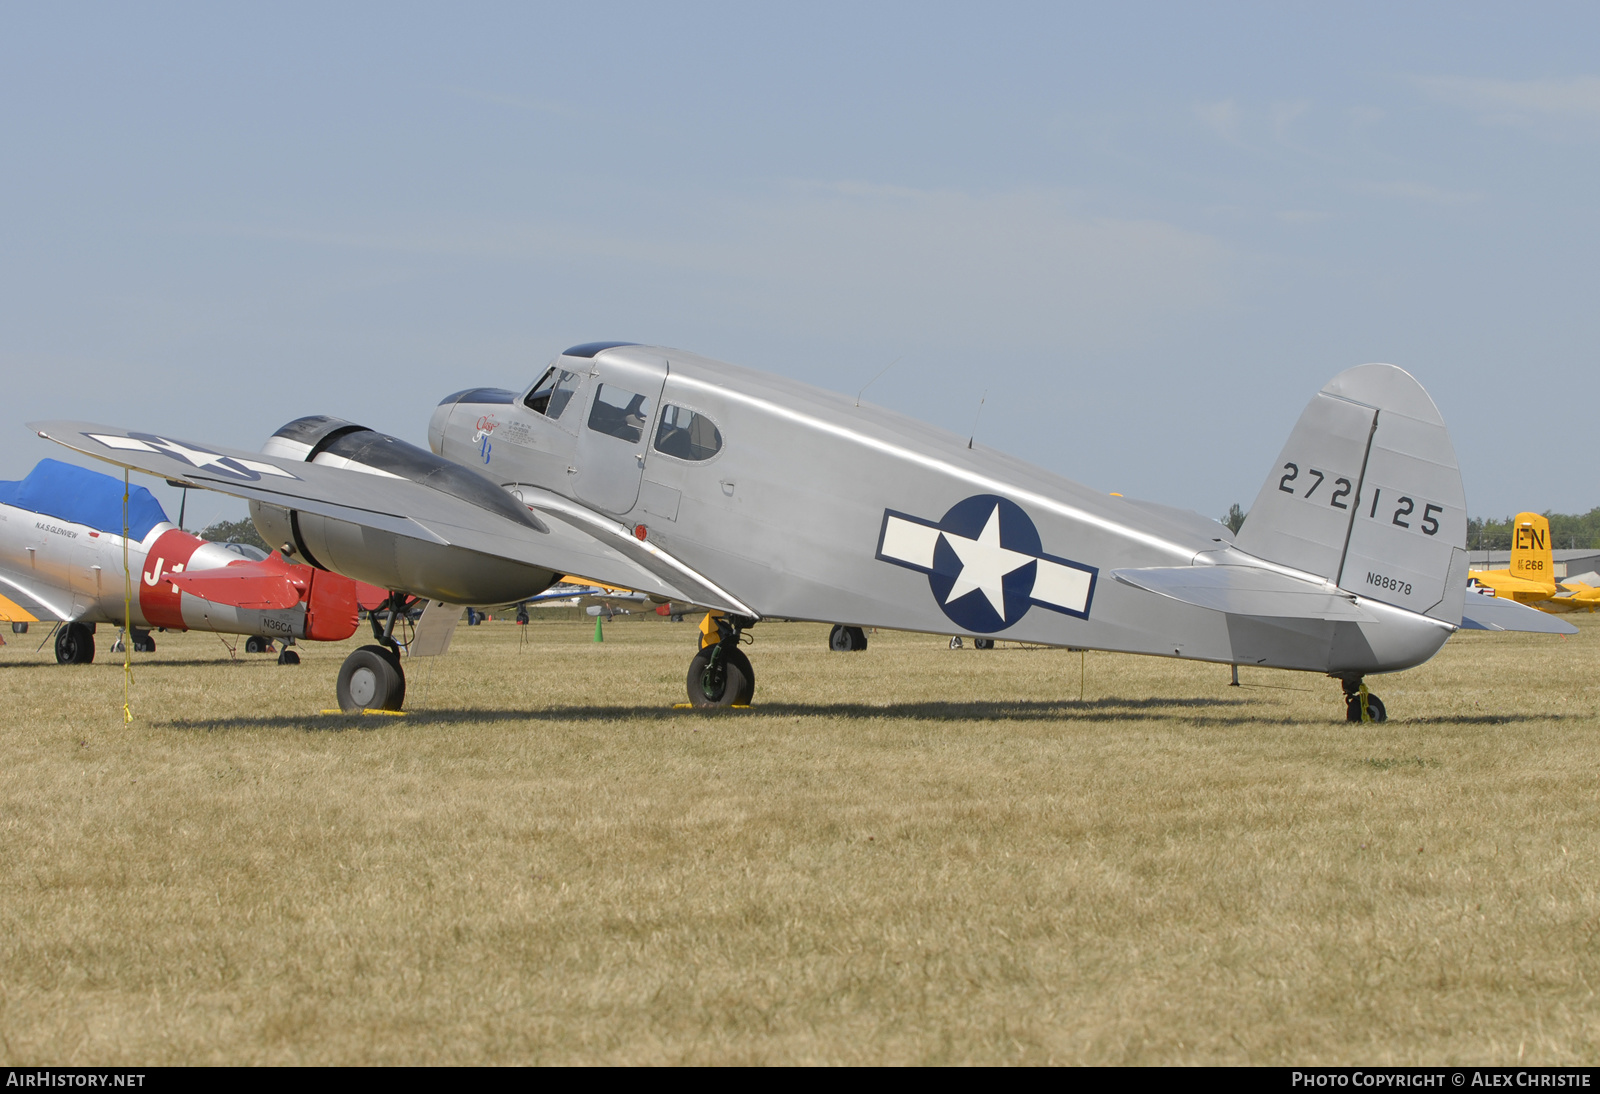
986 565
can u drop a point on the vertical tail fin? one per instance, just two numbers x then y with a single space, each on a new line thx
1367 494
1530 548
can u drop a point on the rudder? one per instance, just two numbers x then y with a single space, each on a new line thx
1531 557
1367 494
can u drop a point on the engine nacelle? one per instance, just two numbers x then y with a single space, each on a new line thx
452 574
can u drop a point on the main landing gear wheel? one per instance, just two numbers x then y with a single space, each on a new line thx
371 679
74 645
143 643
844 639
721 677
257 644
983 643
1356 696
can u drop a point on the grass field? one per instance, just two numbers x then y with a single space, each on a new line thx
907 855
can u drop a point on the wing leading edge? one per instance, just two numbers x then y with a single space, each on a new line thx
573 540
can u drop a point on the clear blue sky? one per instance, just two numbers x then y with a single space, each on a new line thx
1149 232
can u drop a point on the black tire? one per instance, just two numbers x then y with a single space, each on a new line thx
255 645
19 628
74 645
144 645
983 643
1375 709
371 679
736 687
844 639
288 657
399 671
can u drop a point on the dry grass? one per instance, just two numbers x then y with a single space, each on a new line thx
910 855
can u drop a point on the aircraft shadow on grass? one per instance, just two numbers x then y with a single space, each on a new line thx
140 663
1190 712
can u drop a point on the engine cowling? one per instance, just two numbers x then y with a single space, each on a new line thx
439 572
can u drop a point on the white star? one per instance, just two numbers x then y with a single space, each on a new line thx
984 564
197 456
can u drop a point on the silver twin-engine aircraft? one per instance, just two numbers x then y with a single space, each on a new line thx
757 498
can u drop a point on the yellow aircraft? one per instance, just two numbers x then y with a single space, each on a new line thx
1531 577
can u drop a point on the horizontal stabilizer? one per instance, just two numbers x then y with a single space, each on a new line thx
1246 590
1495 613
262 586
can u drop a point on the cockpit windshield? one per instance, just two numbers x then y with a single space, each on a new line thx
552 393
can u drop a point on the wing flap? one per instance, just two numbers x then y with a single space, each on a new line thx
1246 590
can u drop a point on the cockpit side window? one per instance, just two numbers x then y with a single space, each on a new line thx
687 435
619 413
553 392
566 384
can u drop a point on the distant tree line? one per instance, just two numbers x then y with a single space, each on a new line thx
1566 530
234 531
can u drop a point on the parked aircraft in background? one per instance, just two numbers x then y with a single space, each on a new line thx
708 484
61 561
577 592
1531 577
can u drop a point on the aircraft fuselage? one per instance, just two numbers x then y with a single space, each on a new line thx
806 506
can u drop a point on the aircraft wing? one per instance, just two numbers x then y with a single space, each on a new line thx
558 534
24 600
1246 590
1498 613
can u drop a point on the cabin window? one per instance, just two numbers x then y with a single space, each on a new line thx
552 393
619 413
687 435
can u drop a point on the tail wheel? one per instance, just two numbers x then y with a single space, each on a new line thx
1375 710
74 645
371 679
724 681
